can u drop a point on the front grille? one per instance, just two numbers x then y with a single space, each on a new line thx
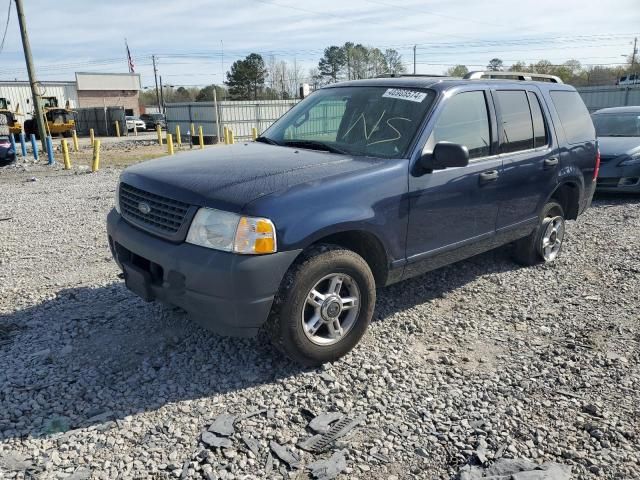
165 216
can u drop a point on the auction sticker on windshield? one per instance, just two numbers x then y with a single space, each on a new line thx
402 94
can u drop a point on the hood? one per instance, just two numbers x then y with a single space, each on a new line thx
616 146
230 177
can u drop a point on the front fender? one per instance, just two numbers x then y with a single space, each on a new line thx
374 201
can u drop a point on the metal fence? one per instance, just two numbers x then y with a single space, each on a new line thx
239 116
101 119
606 96
242 116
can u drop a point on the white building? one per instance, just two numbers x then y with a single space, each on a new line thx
88 90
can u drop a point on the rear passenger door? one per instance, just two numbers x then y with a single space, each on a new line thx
530 159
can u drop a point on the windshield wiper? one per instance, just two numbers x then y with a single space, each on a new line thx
267 140
314 145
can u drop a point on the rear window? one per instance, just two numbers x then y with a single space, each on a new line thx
574 116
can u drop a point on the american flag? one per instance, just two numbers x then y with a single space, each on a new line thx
129 58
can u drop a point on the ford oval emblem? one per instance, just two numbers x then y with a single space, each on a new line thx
144 208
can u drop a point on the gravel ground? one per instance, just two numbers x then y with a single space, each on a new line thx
472 364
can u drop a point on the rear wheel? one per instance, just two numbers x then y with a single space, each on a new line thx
545 243
324 306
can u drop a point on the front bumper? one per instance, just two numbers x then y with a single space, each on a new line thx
227 293
614 178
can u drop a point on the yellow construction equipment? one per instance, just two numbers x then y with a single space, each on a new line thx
59 120
14 125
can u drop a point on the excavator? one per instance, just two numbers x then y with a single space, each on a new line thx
14 125
59 121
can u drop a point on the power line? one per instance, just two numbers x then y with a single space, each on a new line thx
451 17
6 27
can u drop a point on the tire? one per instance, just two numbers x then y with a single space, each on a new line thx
322 268
66 134
531 249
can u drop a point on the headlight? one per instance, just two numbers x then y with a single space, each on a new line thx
634 160
117 200
232 233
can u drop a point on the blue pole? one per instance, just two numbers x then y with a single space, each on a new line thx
52 160
13 143
23 144
34 146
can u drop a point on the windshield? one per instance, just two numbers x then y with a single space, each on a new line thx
617 124
373 121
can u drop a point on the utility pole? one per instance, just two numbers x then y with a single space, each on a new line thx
414 59
155 76
161 96
633 55
37 101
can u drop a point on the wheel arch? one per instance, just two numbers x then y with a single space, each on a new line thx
364 243
568 195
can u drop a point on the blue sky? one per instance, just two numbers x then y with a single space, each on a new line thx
196 41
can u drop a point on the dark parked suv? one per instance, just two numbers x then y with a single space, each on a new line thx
153 120
361 185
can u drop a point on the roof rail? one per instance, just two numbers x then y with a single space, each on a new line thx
399 75
522 76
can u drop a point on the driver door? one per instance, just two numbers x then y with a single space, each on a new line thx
452 212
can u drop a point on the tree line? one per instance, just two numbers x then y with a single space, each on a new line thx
570 71
253 78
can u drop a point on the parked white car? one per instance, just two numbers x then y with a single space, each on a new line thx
135 122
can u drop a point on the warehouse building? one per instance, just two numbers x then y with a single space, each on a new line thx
88 90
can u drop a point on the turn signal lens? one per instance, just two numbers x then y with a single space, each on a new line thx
255 236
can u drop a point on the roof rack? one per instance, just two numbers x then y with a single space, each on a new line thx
522 76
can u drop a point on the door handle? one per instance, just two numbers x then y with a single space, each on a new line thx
489 176
550 162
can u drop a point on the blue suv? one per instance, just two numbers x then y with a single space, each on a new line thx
360 185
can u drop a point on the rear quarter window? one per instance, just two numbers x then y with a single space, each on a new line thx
574 116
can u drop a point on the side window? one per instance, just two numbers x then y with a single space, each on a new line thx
539 126
574 116
465 121
515 121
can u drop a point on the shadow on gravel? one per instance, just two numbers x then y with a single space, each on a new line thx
602 199
438 283
92 355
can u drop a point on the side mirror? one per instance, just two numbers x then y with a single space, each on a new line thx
445 155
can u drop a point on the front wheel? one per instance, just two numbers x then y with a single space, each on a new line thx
545 242
324 306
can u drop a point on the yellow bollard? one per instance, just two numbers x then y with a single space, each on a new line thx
193 130
178 136
159 130
117 128
226 136
65 154
254 133
231 139
170 143
95 164
76 148
93 137
200 137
